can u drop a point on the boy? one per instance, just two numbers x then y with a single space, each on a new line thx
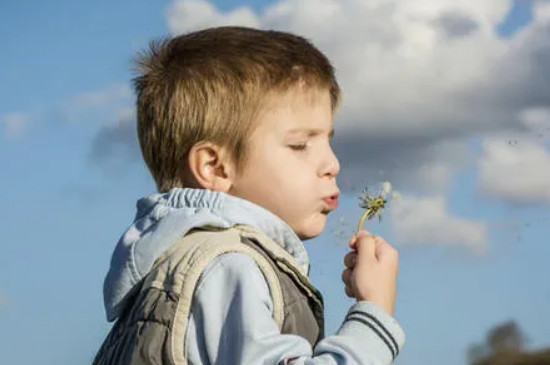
235 126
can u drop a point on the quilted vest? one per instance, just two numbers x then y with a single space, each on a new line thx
152 329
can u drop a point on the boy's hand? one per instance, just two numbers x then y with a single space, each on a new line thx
371 272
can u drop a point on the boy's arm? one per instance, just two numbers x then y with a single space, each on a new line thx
231 323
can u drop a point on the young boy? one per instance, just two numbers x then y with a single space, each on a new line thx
235 126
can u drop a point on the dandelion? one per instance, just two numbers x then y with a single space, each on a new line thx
373 205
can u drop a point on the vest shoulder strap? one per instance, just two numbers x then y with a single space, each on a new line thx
284 260
179 269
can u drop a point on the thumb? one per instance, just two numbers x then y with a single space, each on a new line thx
355 237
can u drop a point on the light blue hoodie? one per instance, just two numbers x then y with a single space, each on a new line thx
238 327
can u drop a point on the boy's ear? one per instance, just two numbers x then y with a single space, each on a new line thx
210 166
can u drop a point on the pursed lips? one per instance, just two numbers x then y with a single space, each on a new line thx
332 201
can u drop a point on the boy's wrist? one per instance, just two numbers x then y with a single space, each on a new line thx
384 303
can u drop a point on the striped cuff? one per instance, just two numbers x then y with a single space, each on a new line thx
379 332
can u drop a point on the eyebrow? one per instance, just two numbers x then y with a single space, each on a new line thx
311 132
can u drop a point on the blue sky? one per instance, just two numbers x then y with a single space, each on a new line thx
65 71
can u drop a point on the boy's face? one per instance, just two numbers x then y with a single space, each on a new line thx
291 170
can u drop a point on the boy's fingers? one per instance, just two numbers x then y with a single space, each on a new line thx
345 276
352 241
350 259
366 248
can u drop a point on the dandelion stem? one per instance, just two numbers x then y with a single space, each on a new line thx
362 220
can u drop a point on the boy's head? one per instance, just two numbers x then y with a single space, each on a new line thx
216 108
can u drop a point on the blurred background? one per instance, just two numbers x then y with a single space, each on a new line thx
449 101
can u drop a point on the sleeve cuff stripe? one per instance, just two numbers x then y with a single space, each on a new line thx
395 349
361 320
375 320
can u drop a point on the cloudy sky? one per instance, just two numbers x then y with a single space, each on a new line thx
447 100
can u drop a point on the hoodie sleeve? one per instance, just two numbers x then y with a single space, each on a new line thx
231 323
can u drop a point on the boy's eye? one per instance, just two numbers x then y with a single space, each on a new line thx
299 147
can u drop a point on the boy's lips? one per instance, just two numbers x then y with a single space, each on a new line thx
332 201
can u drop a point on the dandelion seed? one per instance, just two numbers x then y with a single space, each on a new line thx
386 188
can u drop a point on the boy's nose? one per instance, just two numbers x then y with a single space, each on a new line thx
331 164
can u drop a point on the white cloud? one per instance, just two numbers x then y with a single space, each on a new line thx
516 171
101 98
537 121
187 15
424 220
541 11
109 100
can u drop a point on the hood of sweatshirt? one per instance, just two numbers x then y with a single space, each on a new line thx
163 218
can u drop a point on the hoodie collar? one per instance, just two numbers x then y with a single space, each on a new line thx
163 218
231 210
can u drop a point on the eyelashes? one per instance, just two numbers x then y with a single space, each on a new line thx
299 147
304 146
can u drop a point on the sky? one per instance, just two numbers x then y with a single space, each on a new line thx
448 101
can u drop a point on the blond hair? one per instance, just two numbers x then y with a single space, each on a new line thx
211 85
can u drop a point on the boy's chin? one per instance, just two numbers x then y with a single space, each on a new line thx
310 233
307 237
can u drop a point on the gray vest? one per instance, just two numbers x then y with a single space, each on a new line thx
152 329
